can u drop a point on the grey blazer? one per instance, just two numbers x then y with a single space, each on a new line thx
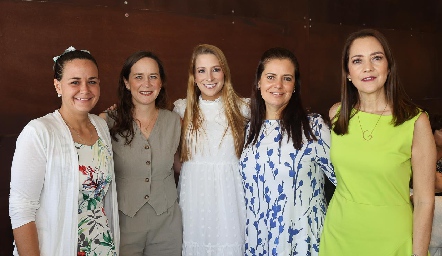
143 169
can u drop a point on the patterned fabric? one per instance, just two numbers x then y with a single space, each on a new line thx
436 232
439 166
45 184
94 235
284 190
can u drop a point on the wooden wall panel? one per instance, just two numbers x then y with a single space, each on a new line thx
7 142
285 10
416 55
111 34
325 45
424 16
32 32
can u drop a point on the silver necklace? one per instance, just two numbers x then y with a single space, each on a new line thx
77 133
269 128
366 136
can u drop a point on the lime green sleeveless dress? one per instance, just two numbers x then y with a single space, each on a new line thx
370 212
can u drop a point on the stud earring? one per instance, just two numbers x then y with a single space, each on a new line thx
59 95
349 79
294 90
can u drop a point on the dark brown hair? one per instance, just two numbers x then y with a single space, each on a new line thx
293 117
403 108
123 114
69 56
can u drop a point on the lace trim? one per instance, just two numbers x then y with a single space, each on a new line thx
209 101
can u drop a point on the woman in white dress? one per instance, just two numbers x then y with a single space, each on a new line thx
285 156
210 189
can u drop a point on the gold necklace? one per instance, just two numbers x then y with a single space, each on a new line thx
370 136
78 134
146 128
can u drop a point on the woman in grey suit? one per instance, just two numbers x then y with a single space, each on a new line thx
145 138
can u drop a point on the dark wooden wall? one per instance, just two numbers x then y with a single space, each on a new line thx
32 32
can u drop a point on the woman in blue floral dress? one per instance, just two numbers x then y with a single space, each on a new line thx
282 164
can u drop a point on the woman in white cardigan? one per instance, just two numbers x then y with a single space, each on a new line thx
63 198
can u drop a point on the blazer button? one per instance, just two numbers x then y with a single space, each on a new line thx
146 147
147 179
148 162
146 197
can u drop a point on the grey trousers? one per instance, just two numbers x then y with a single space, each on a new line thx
148 234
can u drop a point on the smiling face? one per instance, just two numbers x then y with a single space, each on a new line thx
367 65
144 81
209 76
79 86
276 84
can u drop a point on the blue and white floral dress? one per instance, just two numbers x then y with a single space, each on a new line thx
284 190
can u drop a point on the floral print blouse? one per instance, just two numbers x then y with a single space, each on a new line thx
94 235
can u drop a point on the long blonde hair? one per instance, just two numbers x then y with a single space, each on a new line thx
193 120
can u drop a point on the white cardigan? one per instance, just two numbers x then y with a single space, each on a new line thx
45 184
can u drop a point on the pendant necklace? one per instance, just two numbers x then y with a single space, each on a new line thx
77 133
369 136
270 128
146 129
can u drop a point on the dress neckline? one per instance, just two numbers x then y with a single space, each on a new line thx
209 102
356 111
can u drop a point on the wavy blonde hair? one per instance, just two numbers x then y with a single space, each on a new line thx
193 120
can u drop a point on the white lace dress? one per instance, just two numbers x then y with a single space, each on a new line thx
210 188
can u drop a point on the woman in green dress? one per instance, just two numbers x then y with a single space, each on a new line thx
380 139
